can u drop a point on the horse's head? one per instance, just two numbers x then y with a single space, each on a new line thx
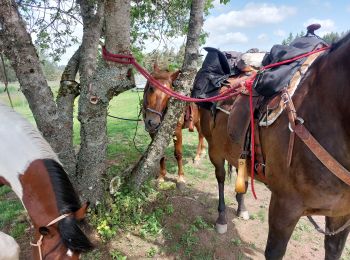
154 100
55 211
61 238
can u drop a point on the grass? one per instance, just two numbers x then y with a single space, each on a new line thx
143 213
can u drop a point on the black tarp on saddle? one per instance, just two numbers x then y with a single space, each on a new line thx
275 79
215 70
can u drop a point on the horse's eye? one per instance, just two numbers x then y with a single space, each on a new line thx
151 89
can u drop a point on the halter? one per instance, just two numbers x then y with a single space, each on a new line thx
40 241
160 114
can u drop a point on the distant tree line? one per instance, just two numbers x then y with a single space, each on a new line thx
50 68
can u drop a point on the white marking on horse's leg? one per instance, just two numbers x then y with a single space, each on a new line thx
181 178
9 249
244 215
221 228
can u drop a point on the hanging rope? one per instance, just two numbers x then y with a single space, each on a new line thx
6 80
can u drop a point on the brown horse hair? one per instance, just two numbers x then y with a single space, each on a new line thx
67 202
340 42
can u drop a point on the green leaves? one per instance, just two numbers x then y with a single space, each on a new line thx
51 24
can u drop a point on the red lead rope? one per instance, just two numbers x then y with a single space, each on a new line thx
249 86
129 59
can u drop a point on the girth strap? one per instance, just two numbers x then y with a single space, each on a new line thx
296 126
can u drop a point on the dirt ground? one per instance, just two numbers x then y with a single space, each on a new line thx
244 239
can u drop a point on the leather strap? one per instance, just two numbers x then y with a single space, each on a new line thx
296 125
260 163
328 160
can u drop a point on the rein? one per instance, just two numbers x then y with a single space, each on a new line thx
40 241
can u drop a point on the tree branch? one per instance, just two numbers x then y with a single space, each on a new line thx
145 167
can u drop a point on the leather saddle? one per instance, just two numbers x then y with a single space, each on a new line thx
268 107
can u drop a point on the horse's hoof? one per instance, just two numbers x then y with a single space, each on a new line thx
196 161
160 180
180 185
244 215
221 228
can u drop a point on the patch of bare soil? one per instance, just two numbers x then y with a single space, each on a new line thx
183 238
244 239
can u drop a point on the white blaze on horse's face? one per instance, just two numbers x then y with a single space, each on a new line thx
69 253
19 137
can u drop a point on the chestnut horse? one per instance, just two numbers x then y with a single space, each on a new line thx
220 149
31 168
307 187
155 103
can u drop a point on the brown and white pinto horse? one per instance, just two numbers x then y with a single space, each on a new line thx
31 168
155 103
307 187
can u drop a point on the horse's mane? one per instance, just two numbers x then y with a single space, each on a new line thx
67 202
340 42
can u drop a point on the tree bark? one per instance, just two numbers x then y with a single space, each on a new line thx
17 45
145 167
98 88
67 93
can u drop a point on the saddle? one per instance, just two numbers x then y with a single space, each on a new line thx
267 87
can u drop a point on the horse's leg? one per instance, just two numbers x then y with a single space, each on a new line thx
241 209
334 245
283 216
178 155
162 170
219 163
201 144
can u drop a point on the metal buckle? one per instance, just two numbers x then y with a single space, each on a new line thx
299 119
257 164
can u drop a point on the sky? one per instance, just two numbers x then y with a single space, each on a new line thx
242 25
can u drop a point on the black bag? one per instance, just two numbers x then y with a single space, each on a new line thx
275 79
215 70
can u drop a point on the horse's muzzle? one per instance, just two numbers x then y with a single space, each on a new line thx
151 125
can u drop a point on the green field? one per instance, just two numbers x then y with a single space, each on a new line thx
127 141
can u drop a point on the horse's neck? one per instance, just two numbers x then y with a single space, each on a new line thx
21 144
39 197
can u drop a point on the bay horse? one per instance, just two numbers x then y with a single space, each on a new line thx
31 168
220 149
307 187
155 103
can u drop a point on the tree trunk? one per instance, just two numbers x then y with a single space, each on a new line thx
155 151
17 45
69 90
97 90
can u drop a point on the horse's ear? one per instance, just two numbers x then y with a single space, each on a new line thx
175 75
155 67
81 213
